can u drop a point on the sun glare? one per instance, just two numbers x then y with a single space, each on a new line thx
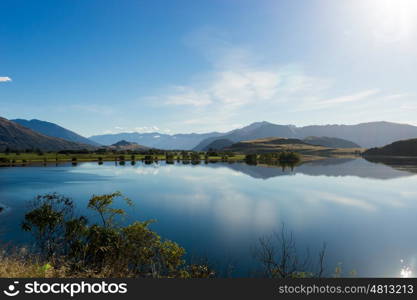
395 19
405 271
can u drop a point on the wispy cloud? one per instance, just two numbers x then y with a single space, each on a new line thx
343 200
228 88
186 95
5 79
397 96
150 129
143 129
318 104
349 98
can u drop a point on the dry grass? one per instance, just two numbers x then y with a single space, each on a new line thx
19 264
13 267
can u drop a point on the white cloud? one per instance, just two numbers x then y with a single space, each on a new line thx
397 96
228 88
184 95
5 79
347 201
147 129
349 98
143 129
318 104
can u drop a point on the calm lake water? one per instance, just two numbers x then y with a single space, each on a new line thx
365 212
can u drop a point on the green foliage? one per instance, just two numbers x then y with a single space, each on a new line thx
195 156
273 158
102 204
47 221
129 251
291 157
251 159
169 156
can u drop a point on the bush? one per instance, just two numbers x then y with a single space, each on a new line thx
289 157
251 159
105 246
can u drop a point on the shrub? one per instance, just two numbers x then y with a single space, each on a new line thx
291 157
104 246
251 159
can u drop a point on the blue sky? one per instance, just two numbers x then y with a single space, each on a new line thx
196 66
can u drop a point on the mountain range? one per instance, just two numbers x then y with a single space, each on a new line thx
366 135
156 140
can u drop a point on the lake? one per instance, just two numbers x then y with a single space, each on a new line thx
365 212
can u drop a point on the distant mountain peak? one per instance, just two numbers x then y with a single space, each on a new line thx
124 143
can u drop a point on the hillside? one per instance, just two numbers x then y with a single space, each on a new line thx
125 145
18 137
54 130
273 144
218 144
254 131
269 145
330 142
399 148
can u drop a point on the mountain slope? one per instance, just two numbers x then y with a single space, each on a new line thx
399 148
273 144
17 137
256 130
54 130
125 145
218 144
330 142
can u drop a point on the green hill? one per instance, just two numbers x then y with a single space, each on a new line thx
268 145
330 142
17 137
218 144
399 148
125 145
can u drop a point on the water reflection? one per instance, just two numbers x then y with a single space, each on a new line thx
222 209
405 271
333 167
407 164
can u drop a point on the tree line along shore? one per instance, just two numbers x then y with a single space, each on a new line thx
17 158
